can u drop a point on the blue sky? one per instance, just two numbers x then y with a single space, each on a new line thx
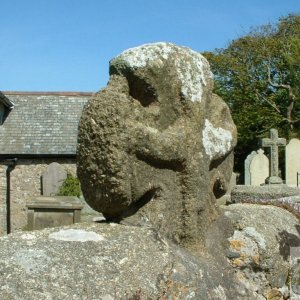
66 45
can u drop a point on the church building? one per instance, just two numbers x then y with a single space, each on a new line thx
36 129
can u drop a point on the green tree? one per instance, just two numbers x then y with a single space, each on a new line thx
70 187
258 75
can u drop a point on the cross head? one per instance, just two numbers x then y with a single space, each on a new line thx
273 142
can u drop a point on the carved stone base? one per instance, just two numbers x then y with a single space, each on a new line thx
274 180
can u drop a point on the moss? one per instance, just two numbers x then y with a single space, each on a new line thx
25 228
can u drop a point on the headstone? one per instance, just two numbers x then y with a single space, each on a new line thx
292 161
247 167
274 142
259 168
52 179
46 212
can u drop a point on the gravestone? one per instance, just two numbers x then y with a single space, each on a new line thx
259 168
292 161
52 179
247 167
273 143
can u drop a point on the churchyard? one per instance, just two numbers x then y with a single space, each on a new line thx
39 129
258 167
155 157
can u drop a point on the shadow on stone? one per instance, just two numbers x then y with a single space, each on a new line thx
287 240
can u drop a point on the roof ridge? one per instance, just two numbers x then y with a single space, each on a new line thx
47 93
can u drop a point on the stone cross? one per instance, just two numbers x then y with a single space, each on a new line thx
273 142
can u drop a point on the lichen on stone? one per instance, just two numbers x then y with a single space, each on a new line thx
256 236
32 260
191 69
138 57
75 235
216 141
28 236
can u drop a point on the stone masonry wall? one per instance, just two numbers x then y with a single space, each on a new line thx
25 184
2 199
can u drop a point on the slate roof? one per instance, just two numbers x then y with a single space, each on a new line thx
42 123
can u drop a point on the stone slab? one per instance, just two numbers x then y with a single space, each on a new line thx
44 212
59 202
244 193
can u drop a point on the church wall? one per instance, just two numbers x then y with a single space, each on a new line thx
25 184
2 199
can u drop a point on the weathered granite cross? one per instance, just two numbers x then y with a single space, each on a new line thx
273 142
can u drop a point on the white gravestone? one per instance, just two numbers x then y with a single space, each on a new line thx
247 167
259 168
292 161
53 178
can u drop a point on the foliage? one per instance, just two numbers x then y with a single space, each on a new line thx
70 187
258 75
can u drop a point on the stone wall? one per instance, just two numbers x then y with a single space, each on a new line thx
2 199
25 184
